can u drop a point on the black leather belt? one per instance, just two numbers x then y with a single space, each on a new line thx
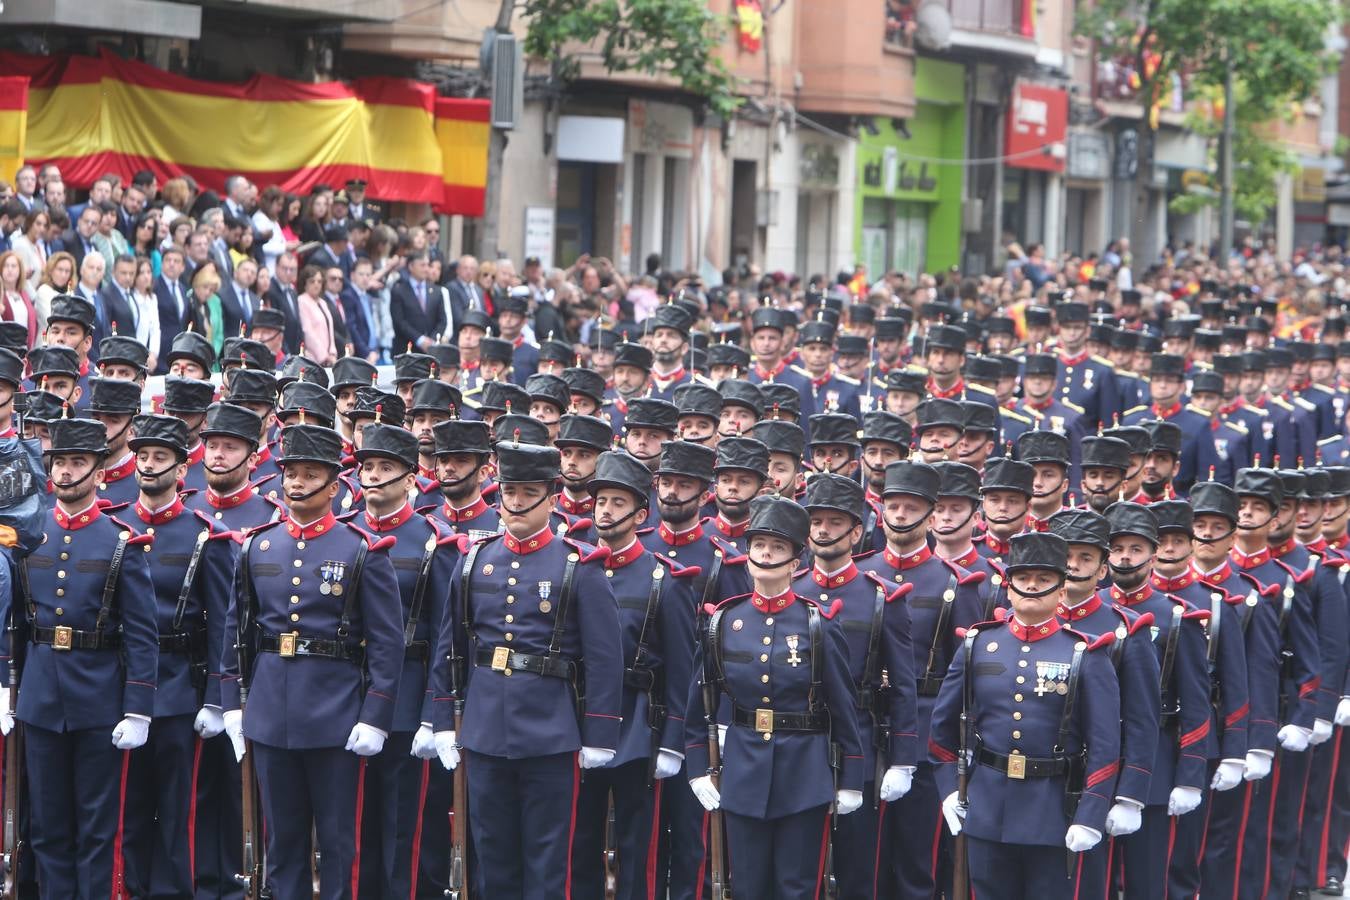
1018 767
182 642
638 679
767 721
292 645
506 661
929 687
64 638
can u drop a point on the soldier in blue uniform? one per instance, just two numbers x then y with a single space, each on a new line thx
1083 380
188 399
1005 496
317 656
979 434
56 370
90 671
70 325
953 527
461 468
581 440
532 614
885 438
433 402
657 618
1167 383
780 664
549 400
257 391
1186 740
1319 396
937 429
1303 414
1039 403
1044 757
350 374
191 563
700 407
834 446
668 330
123 357
115 403
740 474
313 401
1137 437
829 391
631 376
1231 439
1049 454
1105 462
230 435
743 405
511 313
1130 385
648 424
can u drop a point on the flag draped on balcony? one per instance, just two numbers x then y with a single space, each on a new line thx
13 124
92 115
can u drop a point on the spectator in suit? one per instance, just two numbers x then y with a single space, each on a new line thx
100 192
333 283
198 253
464 290
238 302
26 189
172 303
30 242
282 295
90 287
418 318
219 247
334 249
54 195
129 211
119 312
149 185
316 318
356 302
236 197
79 241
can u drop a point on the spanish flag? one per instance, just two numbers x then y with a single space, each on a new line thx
463 131
13 124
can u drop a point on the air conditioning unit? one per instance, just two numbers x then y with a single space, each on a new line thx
506 63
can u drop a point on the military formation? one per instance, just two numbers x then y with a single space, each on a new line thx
838 601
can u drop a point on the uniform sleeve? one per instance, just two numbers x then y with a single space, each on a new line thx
140 633
1099 724
436 601
695 715
602 655
1332 641
229 651
1234 700
1262 642
902 696
1197 739
676 617
1306 662
839 697
213 586
384 640
10 603
1140 712
944 738
449 655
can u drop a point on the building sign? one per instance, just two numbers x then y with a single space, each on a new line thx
663 129
1037 128
1089 155
539 234
818 166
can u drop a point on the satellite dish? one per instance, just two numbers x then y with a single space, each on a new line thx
934 25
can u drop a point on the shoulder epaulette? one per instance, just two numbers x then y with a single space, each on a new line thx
721 604
1257 410
1299 577
677 570
1329 440
730 555
1191 407
1323 388
1281 403
1137 409
1306 404
1074 406
828 612
1105 639
704 380
373 541
1103 360
586 551
1144 621
257 529
849 380
133 538
1014 415
1196 615
979 388
1235 425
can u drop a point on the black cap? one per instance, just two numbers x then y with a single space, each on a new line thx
908 381
114 396
414 367
334 232
194 347
557 351
979 417
1003 474
1104 452
1180 327
603 339
302 368
519 428
503 396
433 395
742 453
584 431
313 400
587 382
983 369
123 349
635 355
912 477
187 395
1082 526
650 412
373 403
77 436
1136 436
698 400
495 349
1041 364
1038 550
1167 364
1132 518
162 431
520 305
1124 339
11 367
780 436
891 328
834 428
1295 484
1340 481
1207 382
352 371
1072 311
958 480
937 412
14 336
267 317
816 332
44 406
310 443
619 469
228 420
835 492
687 458
1316 484
739 392
253 386
389 441
1043 446
251 354
54 359
518 463
766 317
997 324
728 355
73 308
880 425
446 356
475 318
779 517
668 315
1036 316
1263 483
1172 515
946 337
781 397
1164 437
461 436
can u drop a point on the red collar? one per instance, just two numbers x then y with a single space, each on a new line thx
1035 524
424 472
680 538
822 380
1165 412
1042 405
1341 542
391 521
124 469
532 543
1318 546
773 604
1074 360
468 513
1172 585
1245 561
955 391
730 529
575 507
676 375
168 514
519 341
967 559
838 579
8 433
1031 633
197 453
1000 547
84 367
227 501
1278 551
904 563
312 530
1215 578
1229 409
264 455
79 519
1082 610
1144 499
770 373
1138 596
620 558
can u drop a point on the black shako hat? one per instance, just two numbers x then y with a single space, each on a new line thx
1263 483
1136 436
687 458
446 356
250 354
906 476
1212 498
651 412
503 396
228 420
518 463
302 368
584 431
253 386
1003 474
780 437
1040 364
935 413
834 428
495 349
1038 550
114 396
781 397
739 392
1043 446
1172 515
587 382
1163 437
436 396
557 351
123 349
373 403
979 417
957 479
77 436
635 355
43 406
1082 526
946 337
620 469
313 399
779 517
11 367
53 360
193 347
187 395
395 443
880 425
519 428
698 400
729 355
907 381
161 431
1294 482
1167 364
835 492
1316 484
668 315
1127 517
414 367
352 371
1340 481
310 443
550 389
742 453
461 436
1105 452
73 308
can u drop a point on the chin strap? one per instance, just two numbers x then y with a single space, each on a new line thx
533 506
379 484
944 532
301 498
618 523
772 566
1127 570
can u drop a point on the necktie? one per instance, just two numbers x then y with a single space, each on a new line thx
178 298
246 304
422 295
134 307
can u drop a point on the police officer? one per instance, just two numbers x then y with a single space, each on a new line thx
91 667
191 563
875 624
320 652
1044 754
657 617
782 665
532 615
461 470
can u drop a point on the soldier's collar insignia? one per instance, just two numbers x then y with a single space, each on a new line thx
770 605
680 538
530 544
313 529
160 517
78 520
1134 597
835 579
1030 633
391 521
1081 611
468 513
620 558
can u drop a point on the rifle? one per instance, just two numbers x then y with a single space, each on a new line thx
611 855
832 883
721 888
14 775
960 870
459 820
251 879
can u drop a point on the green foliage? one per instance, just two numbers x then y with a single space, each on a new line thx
678 38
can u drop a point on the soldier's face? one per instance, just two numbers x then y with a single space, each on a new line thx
187 368
768 555
698 429
1165 389
1159 467
1102 484
629 380
905 510
783 475
888 350
816 357
309 489
75 476
523 508
1029 608
1129 551
617 513
158 470
942 361
1254 513
678 497
877 455
1322 371
1277 379
1174 548
645 444
735 489
456 473
1087 567
385 482
939 442
1038 387
423 425
1005 511
736 420
953 517
578 465
767 344
546 412
1334 516
1213 538
852 364
1000 342
584 404
1207 400
835 458
1309 519
1073 334
833 536
974 448
1284 521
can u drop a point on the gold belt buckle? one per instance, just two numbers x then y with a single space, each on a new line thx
286 644
1017 766
63 638
500 657
764 721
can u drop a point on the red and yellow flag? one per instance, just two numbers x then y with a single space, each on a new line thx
463 132
13 124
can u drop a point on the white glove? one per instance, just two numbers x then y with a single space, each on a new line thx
1125 817
846 802
6 717
1257 765
234 729
446 749
1294 738
1080 838
424 743
706 792
896 783
668 763
209 722
1228 775
954 813
1183 800
365 740
594 757
721 739
130 733
1343 711
1321 732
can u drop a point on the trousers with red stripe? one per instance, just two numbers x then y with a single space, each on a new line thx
393 833
1288 822
1338 818
636 832
157 826
1310 869
1000 870
778 859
